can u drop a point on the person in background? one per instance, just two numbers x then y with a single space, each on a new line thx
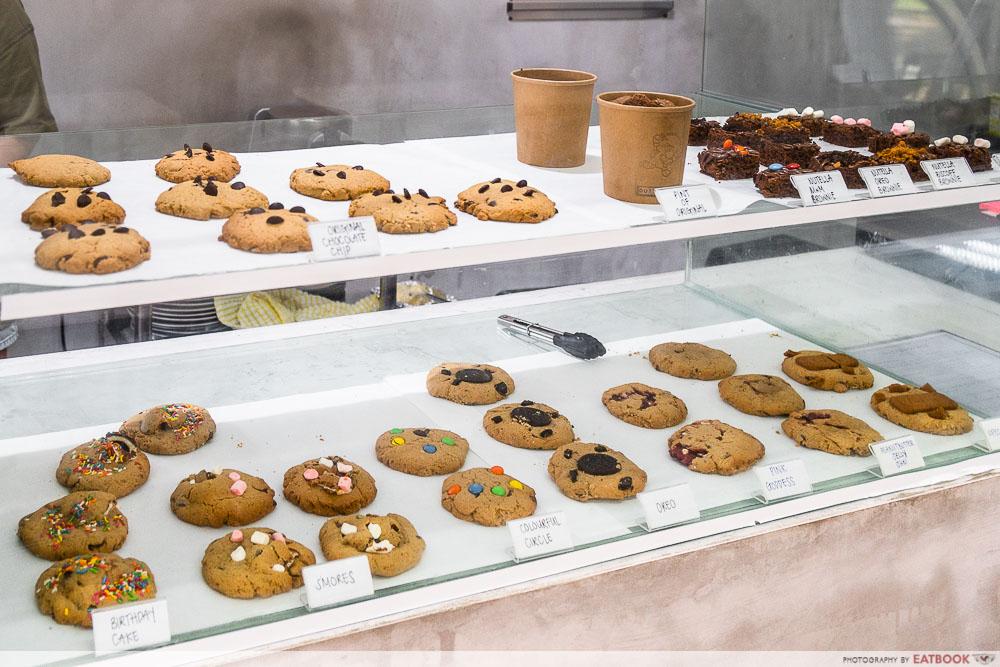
24 108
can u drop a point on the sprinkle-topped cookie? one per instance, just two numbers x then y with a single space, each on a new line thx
110 463
79 523
70 589
175 428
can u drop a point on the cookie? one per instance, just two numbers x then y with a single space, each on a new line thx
645 406
584 471
692 360
71 588
177 428
254 563
469 384
268 231
405 213
91 247
329 485
421 451
201 199
72 206
111 463
188 163
761 395
225 498
506 201
528 425
826 370
337 182
60 171
390 542
487 496
830 431
921 409
79 523
713 447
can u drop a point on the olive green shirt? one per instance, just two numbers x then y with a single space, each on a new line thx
23 105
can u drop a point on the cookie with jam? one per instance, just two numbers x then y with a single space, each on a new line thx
584 471
645 406
469 384
713 447
528 425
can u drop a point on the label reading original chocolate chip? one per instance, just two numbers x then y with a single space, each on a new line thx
341 239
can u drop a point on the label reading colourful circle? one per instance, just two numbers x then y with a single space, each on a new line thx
398 441
475 488
430 449
396 430
448 441
498 491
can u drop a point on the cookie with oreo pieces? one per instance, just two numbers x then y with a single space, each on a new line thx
586 471
469 384
528 425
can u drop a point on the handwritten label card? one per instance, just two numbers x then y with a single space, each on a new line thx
337 581
668 506
134 625
950 173
780 480
887 180
897 455
340 239
539 535
991 429
996 162
827 187
686 203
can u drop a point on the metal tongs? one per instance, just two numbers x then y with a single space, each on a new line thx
580 345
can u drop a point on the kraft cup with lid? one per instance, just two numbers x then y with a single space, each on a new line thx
642 148
552 115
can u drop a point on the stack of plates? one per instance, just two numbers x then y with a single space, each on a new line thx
185 318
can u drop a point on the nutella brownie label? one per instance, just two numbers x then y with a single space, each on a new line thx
996 161
887 180
950 173
686 203
827 187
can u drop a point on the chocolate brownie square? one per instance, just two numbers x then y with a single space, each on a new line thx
852 136
846 162
777 152
908 157
778 182
717 137
978 158
698 134
744 122
726 164
885 140
811 124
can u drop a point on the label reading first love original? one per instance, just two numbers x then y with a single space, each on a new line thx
897 455
996 161
668 506
539 535
991 429
686 203
784 479
827 187
341 239
337 581
130 626
950 173
887 180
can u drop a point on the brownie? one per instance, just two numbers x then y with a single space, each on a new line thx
717 137
787 153
852 136
885 140
810 123
778 182
698 134
908 157
978 158
785 131
744 122
846 162
725 164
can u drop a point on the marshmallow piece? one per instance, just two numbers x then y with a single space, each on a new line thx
234 476
343 468
326 462
383 547
910 126
982 143
310 473
238 554
238 488
278 567
278 537
191 481
959 139
864 121
345 484
899 130
217 470
943 141
260 538
788 111
375 530
808 111
850 121
836 118
819 114
237 536
348 529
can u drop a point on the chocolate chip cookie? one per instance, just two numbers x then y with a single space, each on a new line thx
91 247
584 471
268 231
506 201
72 206
188 163
826 370
254 563
176 428
692 360
79 523
404 213
390 542
487 496
761 395
60 171
645 406
528 425
921 409
336 182
72 588
202 199
830 431
421 451
329 485
713 447
227 498
469 384
111 463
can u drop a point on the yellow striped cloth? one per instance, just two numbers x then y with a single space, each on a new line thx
261 309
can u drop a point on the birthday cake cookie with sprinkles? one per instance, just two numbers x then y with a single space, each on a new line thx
255 563
390 542
176 428
70 589
421 451
329 485
222 497
80 523
487 496
110 463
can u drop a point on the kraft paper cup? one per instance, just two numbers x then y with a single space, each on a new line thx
552 115
642 148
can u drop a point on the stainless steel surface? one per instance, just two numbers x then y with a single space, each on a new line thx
575 10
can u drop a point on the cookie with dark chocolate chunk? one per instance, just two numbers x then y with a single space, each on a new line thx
91 247
469 384
586 471
528 425
506 201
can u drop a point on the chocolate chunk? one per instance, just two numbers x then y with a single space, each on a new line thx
390 192
100 259
568 453
422 193
98 232
546 433
492 203
495 180
573 475
396 199
598 464
341 174
484 188
357 167
506 188
211 189
445 371
275 206
377 192
86 191
406 193
83 200
528 193
522 183
210 157
625 483
197 179
104 195
600 448
474 375
320 164
120 230
275 220
318 172
238 185
256 210
58 199
527 402
553 414
501 388
497 419
187 151
76 233
48 232
422 432
456 382
67 227
206 147
297 209
530 416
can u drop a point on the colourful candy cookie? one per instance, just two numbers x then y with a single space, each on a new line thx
487 496
422 451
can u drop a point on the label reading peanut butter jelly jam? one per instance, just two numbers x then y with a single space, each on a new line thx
897 455
343 239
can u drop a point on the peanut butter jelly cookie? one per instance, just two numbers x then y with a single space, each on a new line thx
329 485
469 384
72 588
226 498
506 201
111 463
645 406
585 471
921 409
188 163
404 213
91 247
826 370
830 431
692 360
713 447
269 231
487 496
176 428
201 199
760 395
72 206
79 523
336 182
528 425
390 542
422 451
255 563
60 171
